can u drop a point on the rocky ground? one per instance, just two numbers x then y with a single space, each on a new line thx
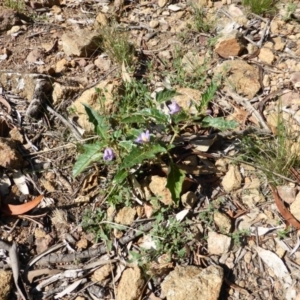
233 233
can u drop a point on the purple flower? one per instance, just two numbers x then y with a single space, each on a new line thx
173 107
108 154
144 137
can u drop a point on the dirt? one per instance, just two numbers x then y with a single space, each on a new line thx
52 59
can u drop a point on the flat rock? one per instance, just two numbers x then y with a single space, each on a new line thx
230 45
159 189
232 180
131 284
241 76
6 282
279 44
91 97
81 42
186 282
266 55
222 221
8 19
102 273
218 244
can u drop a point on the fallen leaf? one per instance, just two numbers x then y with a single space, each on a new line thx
10 209
275 263
283 210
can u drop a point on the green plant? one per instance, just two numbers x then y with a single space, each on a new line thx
194 77
201 23
91 222
168 237
274 155
17 5
239 235
290 9
282 234
116 43
260 7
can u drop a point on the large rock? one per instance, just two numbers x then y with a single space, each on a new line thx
239 75
193 283
131 284
8 19
108 88
81 42
23 85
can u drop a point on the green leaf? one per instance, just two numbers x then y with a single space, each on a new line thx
91 153
100 123
165 95
174 182
156 114
133 119
120 176
209 94
219 123
139 154
127 145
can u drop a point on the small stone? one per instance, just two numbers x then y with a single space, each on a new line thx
266 55
103 63
89 68
14 29
61 66
102 19
232 180
153 23
279 43
34 56
44 243
81 42
218 243
222 221
102 273
188 199
125 216
82 244
39 233
159 189
162 3
230 45
82 62
248 257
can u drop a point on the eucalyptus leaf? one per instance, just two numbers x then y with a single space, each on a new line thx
219 123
